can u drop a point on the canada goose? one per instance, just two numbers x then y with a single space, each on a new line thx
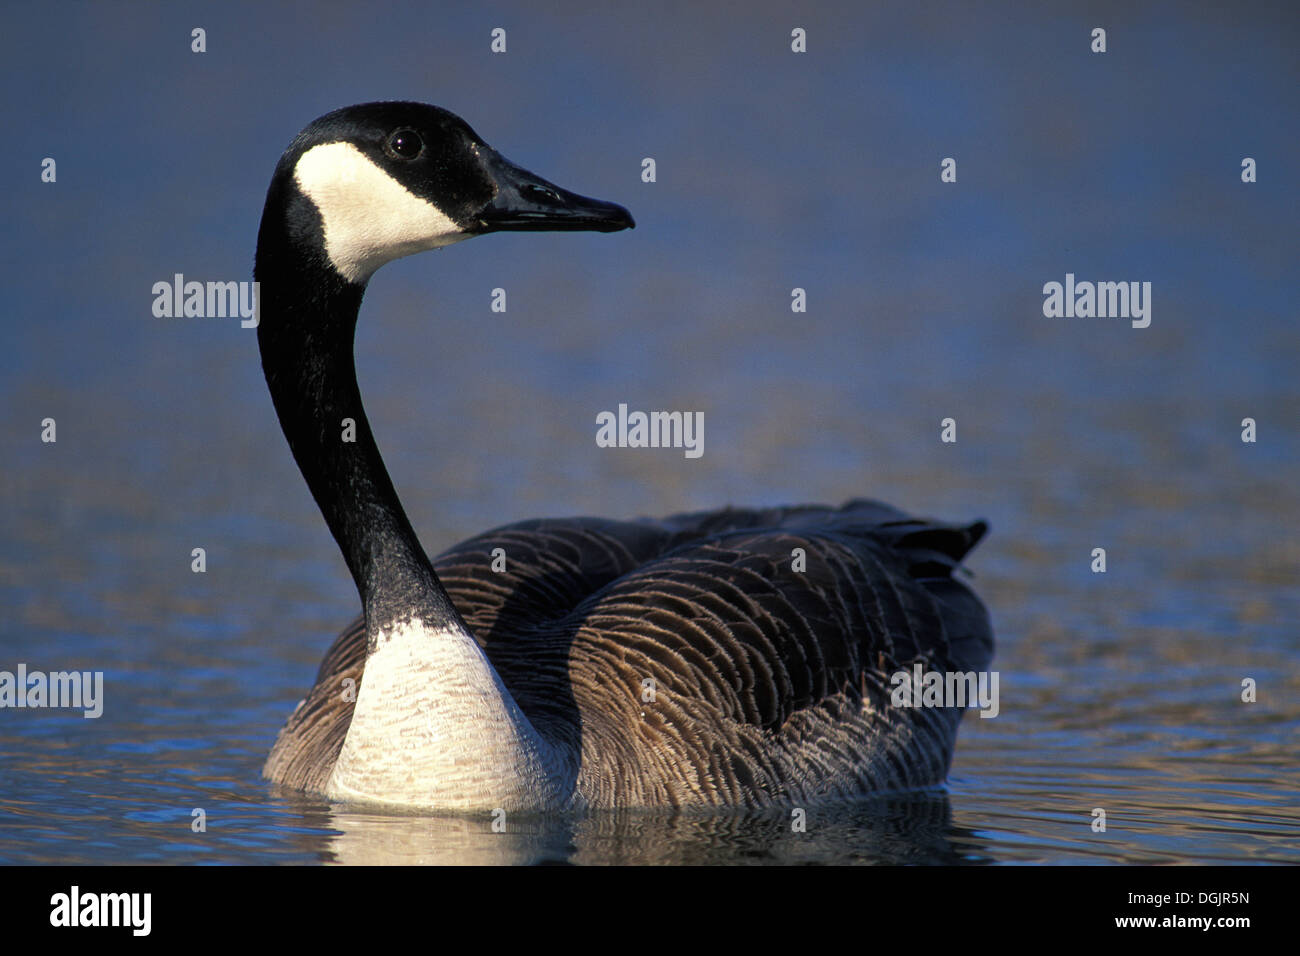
688 661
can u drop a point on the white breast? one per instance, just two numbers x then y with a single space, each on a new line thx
434 727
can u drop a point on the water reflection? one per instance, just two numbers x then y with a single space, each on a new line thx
898 829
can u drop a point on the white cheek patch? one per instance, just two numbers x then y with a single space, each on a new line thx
369 217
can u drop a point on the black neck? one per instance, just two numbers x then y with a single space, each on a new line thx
308 319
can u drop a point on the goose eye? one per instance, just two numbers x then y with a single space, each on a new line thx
405 143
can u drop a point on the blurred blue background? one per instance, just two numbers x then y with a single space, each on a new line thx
775 170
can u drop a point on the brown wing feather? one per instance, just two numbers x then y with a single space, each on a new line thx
754 663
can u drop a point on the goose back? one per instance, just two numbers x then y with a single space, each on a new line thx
690 663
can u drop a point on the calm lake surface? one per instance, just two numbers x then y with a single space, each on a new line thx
1119 690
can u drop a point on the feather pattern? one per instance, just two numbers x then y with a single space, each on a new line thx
685 662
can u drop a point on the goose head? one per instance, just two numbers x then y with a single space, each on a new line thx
357 188
367 184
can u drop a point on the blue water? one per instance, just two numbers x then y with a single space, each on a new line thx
1120 691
